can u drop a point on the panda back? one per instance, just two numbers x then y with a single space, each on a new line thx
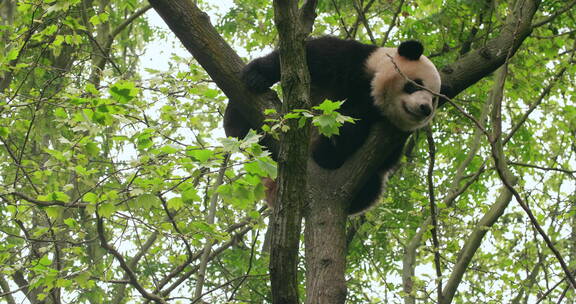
337 67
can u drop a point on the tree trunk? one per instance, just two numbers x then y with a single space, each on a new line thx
286 221
325 252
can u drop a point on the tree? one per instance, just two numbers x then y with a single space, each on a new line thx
114 188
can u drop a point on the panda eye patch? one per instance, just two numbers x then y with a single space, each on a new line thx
410 87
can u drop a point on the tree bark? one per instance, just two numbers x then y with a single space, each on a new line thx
325 251
292 159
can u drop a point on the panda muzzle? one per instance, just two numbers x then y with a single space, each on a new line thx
419 112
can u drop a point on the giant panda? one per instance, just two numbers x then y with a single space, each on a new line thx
376 83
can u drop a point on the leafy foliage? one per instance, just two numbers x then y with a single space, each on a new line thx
91 133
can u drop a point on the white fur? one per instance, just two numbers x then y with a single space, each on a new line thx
400 108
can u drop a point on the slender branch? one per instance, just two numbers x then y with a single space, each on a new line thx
538 101
107 47
201 275
249 268
535 223
119 292
571 172
129 20
362 17
434 228
393 22
131 275
551 18
528 282
502 170
48 204
544 295
475 239
13 157
478 63
342 23
308 15
185 276
24 286
473 243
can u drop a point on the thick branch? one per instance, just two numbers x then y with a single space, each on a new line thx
479 63
193 28
6 293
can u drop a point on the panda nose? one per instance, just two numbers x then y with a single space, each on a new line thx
425 109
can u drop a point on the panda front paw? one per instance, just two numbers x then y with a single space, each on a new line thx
254 80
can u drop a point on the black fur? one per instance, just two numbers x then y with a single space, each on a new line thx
338 72
411 49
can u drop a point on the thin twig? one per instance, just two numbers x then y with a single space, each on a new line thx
571 172
360 11
392 23
449 100
550 18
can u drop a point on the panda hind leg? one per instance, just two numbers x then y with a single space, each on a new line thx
371 191
367 196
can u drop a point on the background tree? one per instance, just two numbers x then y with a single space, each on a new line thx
115 188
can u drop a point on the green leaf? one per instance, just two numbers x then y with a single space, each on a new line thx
83 279
54 212
106 209
168 149
70 222
60 196
92 149
200 155
190 195
329 106
97 19
175 203
291 116
327 125
45 261
268 166
123 91
4 131
230 144
90 198
12 54
147 201
60 113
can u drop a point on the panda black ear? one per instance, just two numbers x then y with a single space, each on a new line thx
411 49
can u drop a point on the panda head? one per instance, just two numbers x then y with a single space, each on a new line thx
407 105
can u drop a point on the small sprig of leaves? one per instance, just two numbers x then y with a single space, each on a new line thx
324 116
